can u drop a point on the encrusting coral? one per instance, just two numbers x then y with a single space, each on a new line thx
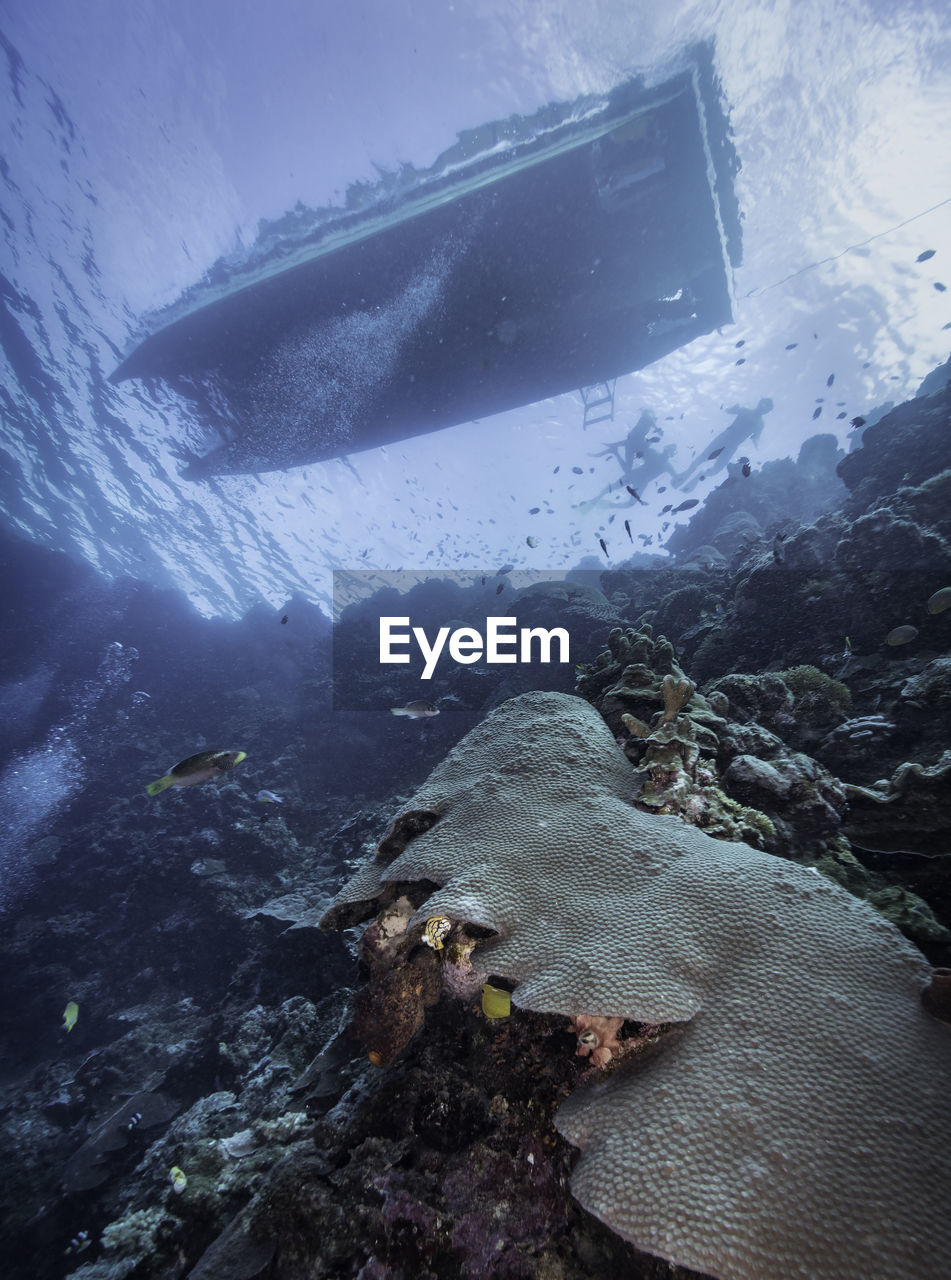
800 1123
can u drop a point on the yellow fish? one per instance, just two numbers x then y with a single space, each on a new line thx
70 1014
178 1179
496 1003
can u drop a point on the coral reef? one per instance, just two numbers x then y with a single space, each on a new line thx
391 1010
597 1038
212 1007
908 811
819 702
676 747
906 447
782 978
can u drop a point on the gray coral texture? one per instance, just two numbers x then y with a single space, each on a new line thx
800 1123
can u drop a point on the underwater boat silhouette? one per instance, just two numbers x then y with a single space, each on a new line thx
538 255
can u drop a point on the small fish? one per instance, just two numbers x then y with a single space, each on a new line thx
741 343
664 510
901 635
418 710
940 601
496 1002
533 511
857 422
483 580
627 526
942 288
79 1242
715 454
635 495
746 470
556 470
579 471
791 346
178 1179
268 797
687 504
437 927
662 489
653 439
136 1119
840 416
816 412
70 1014
506 568
197 768
500 588
532 541
847 651
830 379
925 255
284 621
604 546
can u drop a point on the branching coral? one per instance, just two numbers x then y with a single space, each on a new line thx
676 760
676 695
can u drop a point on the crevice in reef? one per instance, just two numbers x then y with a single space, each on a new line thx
404 828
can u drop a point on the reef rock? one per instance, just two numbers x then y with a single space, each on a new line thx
906 446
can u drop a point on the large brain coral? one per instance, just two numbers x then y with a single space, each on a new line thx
801 1124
